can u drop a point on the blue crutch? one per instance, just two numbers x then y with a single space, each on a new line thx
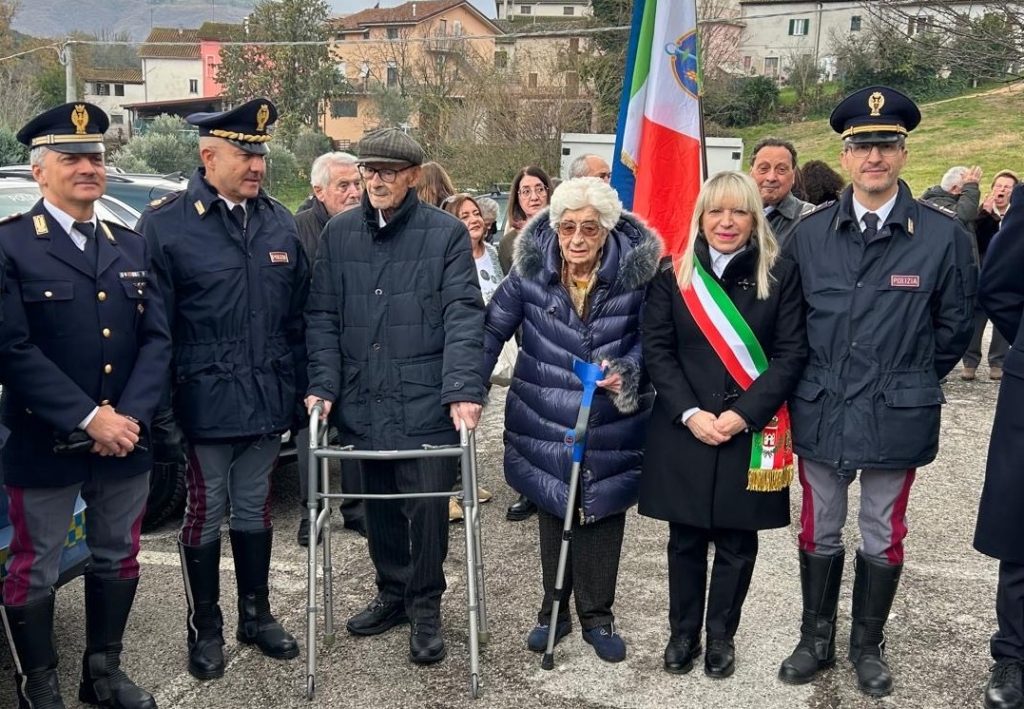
589 374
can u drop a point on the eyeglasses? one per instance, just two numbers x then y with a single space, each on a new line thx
386 174
539 190
862 150
587 229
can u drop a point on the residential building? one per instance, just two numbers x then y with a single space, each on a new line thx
171 64
211 36
421 47
524 9
111 90
779 31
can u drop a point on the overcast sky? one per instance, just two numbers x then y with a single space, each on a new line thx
348 6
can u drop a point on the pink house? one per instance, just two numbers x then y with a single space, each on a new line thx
211 34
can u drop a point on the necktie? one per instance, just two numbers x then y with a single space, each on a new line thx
88 230
870 226
238 212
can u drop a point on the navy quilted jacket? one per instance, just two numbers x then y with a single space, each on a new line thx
545 395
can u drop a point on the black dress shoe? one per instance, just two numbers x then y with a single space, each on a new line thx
378 617
680 654
720 659
520 509
425 643
356 524
1004 689
303 536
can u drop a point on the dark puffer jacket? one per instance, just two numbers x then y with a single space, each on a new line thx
545 395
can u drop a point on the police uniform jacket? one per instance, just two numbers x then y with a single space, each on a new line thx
687 481
1000 525
886 320
75 335
234 300
396 324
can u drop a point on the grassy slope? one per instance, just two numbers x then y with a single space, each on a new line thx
986 130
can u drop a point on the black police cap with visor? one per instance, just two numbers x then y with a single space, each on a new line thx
876 114
245 126
75 128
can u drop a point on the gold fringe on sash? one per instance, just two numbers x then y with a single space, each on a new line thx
769 479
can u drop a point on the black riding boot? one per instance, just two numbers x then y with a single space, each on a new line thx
104 683
874 589
820 578
256 625
200 567
30 632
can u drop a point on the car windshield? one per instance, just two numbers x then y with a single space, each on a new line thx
19 198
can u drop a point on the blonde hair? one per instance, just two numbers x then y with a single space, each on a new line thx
739 187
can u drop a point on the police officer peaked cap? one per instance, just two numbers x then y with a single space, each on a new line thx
875 114
70 128
389 146
245 126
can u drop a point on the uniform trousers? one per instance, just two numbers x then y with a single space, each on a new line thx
1008 641
40 518
408 539
997 348
351 479
218 473
883 510
735 554
591 569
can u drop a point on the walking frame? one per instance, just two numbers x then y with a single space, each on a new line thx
320 454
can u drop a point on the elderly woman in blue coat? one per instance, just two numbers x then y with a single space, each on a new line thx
576 288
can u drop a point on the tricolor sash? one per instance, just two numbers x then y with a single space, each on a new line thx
771 450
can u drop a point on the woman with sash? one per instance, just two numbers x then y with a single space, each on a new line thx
724 345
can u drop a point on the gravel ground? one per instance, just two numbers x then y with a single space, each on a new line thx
938 632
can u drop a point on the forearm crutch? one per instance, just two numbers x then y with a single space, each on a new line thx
589 374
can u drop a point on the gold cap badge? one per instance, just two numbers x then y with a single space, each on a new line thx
262 116
875 103
80 118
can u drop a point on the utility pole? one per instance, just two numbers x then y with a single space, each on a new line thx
66 57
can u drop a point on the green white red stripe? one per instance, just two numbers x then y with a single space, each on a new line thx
730 336
659 129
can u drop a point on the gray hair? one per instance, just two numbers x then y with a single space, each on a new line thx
579 168
580 192
954 177
37 155
488 208
320 173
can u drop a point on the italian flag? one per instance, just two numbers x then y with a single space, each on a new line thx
657 170
722 324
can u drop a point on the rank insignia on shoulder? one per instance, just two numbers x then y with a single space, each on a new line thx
10 217
109 234
39 222
200 208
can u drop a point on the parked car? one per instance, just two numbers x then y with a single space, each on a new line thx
18 194
75 555
134 190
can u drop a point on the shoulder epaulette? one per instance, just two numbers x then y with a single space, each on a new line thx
10 217
120 228
936 208
820 207
166 199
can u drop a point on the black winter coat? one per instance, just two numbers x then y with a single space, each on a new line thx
234 301
886 320
73 338
1000 529
685 480
544 397
310 223
395 325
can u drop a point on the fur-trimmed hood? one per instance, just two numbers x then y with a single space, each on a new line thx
629 261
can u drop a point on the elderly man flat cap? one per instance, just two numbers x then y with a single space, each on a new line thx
875 114
71 128
389 146
245 126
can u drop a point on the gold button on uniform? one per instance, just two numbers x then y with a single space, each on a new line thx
101 296
106 332
108 368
